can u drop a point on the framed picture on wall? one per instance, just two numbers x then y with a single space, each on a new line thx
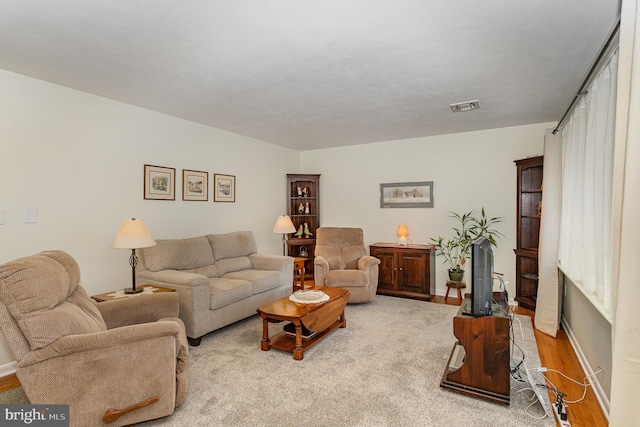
195 185
224 188
159 183
407 195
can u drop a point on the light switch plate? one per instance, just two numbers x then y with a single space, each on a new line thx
30 215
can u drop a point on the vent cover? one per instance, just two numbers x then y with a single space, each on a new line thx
465 106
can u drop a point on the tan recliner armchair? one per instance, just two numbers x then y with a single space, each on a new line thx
115 363
341 261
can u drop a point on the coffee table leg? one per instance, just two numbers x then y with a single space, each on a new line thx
344 320
265 344
298 352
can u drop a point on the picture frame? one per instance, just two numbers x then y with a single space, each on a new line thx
224 188
406 195
195 185
159 182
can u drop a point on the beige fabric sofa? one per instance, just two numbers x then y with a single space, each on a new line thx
94 357
220 278
341 261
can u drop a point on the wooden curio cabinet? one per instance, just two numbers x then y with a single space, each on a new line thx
303 206
529 213
405 271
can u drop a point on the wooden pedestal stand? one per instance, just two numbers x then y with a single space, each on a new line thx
479 362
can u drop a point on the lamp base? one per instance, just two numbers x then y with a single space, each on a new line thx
132 291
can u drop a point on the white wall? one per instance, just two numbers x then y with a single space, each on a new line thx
78 159
469 170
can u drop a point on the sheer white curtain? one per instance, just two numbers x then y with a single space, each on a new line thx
585 253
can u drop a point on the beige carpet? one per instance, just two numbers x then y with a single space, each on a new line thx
384 369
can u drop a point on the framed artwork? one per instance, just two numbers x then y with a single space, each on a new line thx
224 188
195 185
159 183
407 195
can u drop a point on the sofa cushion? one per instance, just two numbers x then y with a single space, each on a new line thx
178 254
346 278
226 291
262 280
229 265
232 245
43 295
207 271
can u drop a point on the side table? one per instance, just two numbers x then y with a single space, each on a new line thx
298 273
108 296
451 284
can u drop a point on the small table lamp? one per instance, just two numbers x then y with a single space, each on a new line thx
133 234
285 226
403 232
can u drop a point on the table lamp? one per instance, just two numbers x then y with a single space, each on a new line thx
403 232
133 234
285 226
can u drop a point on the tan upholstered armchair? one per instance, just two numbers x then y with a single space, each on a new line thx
341 261
121 361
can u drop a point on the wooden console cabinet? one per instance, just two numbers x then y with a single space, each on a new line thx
405 271
479 361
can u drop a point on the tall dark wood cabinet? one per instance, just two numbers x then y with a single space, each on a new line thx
303 206
529 213
405 271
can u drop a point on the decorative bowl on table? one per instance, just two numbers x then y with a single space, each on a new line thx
309 296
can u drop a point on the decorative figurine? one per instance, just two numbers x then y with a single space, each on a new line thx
299 192
305 192
306 208
299 232
300 208
539 208
307 233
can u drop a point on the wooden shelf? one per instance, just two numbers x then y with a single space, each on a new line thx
310 182
529 195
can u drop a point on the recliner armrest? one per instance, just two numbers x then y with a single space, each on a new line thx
139 309
98 344
366 262
320 270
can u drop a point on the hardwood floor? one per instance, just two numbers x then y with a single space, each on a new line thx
555 353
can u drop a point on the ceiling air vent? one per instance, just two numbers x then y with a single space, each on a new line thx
465 106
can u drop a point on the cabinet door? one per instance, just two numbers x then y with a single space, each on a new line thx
412 271
386 269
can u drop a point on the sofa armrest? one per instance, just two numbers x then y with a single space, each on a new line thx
139 309
366 262
271 262
174 277
320 269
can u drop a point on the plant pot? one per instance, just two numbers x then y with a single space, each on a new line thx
456 275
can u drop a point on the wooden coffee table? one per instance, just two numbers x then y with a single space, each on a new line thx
321 318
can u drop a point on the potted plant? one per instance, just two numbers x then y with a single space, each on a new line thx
456 249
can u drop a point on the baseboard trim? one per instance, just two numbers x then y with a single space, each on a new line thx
595 384
8 369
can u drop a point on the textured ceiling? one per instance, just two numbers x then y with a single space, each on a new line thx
315 74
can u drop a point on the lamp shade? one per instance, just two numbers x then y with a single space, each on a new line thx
403 231
284 225
133 234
